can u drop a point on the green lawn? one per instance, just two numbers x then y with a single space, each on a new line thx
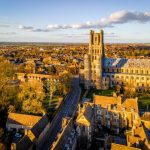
99 92
143 101
143 98
55 102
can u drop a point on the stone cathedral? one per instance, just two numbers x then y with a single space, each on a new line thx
101 73
93 61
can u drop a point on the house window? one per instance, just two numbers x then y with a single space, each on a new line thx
147 72
95 38
83 128
141 71
115 115
108 76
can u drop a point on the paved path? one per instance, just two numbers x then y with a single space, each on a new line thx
67 110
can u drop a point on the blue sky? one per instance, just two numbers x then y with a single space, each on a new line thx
71 20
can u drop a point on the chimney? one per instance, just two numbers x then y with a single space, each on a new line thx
109 107
119 100
26 132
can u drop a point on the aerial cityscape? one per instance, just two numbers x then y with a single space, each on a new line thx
74 75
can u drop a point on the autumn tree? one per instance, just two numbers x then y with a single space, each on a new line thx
7 72
31 96
2 146
50 86
129 91
57 88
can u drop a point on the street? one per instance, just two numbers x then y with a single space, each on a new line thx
67 110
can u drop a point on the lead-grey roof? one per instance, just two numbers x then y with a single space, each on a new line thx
126 63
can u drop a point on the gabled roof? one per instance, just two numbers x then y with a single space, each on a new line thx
146 116
24 144
131 104
127 63
115 146
39 126
86 114
104 101
128 105
141 135
22 119
82 120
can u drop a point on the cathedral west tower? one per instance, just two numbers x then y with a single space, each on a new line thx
93 61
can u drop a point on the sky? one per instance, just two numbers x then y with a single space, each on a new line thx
123 21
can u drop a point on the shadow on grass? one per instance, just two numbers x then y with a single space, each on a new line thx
99 92
52 107
144 102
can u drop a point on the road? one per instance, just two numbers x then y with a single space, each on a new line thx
67 110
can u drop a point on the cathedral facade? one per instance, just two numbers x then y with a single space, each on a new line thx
101 73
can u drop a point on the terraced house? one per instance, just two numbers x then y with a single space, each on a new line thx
120 117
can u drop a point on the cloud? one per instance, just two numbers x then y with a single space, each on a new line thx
7 33
119 17
3 25
83 35
110 34
28 28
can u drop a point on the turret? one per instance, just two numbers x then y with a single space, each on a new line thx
91 36
102 42
87 71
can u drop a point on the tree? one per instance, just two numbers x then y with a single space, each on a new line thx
31 97
129 91
51 86
7 72
51 70
1 132
2 146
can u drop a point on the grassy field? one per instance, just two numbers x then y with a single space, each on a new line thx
99 92
143 100
54 104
